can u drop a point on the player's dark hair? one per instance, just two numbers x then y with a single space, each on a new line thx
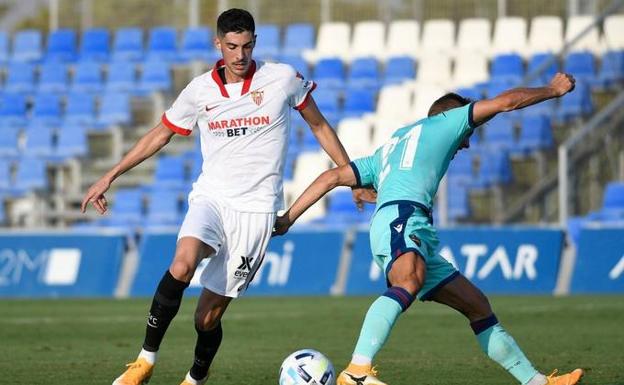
235 20
448 102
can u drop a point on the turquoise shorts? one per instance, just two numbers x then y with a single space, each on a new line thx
399 228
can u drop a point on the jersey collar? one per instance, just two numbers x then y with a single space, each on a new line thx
246 81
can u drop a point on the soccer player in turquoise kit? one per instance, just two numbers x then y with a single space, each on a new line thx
406 172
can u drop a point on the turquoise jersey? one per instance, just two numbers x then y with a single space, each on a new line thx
410 165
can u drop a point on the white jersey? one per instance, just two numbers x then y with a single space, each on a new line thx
244 130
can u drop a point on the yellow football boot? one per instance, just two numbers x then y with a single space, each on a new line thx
139 372
359 375
565 379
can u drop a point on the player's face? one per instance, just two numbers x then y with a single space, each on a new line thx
465 144
236 48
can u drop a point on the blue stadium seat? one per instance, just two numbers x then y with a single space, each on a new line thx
614 197
536 134
39 141
327 101
268 41
581 65
87 77
499 133
342 210
575 104
364 73
164 208
162 44
399 69
27 46
289 163
95 45
535 62
472 93
197 45
494 168
4 47
9 146
196 162
53 78
5 174
13 110
507 68
115 109
330 72
61 46
20 78
298 37
31 175
156 76
47 110
170 172
80 109
72 141
121 77
127 207
299 64
128 44
460 169
611 69
358 101
458 201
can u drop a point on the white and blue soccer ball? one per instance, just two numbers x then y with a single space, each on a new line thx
307 367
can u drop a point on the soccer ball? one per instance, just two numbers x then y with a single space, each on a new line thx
307 367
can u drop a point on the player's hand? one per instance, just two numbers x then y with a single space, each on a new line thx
282 224
562 83
95 196
361 195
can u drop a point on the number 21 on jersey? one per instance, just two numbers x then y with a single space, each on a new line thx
410 144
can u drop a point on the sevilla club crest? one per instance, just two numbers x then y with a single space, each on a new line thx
257 97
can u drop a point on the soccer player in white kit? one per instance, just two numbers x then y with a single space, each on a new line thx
241 108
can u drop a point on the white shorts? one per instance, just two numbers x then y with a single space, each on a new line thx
239 239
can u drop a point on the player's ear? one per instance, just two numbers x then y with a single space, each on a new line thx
217 42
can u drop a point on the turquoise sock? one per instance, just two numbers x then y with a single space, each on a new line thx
380 318
501 347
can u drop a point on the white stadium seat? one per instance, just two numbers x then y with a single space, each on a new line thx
589 42
510 36
613 36
470 69
394 103
333 41
403 39
355 135
308 167
383 130
434 69
369 40
475 36
424 97
438 37
546 35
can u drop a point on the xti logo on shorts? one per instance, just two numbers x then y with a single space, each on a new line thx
244 268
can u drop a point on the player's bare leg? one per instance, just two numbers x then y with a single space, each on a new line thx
406 276
210 309
165 304
463 296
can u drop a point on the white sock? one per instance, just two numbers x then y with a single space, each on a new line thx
538 379
193 381
148 356
359 359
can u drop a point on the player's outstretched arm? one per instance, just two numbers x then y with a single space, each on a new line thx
517 98
327 181
148 145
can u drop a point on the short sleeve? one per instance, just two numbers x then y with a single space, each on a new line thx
365 170
181 117
462 119
298 89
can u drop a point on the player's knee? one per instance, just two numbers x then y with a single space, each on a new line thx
182 270
206 319
402 296
479 308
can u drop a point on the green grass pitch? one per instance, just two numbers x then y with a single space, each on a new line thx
56 342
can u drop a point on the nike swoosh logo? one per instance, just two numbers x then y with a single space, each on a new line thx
211 108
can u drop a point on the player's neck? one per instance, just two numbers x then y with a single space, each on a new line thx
228 77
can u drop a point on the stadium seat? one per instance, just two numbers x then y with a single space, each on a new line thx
499 133
170 172
4 48
536 134
611 70
47 110
126 208
394 102
5 175
364 73
327 101
197 45
9 145
507 68
13 110
438 38
461 169
474 37
27 46
581 65
87 77
114 110
399 69
341 210
510 36
590 42
384 127
546 35
425 96
535 63
268 42
403 39
80 109
494 168
368 40
355 134
613 202
358 101
458 202
333 41
53 78
575 104
162 44
128 44
121 77
156 76
299 64
471 69
72 141
298 38
330 72
39 141
612 37
309 165
472 93
434 70
20 78
163 209
31 175
61 46
95 45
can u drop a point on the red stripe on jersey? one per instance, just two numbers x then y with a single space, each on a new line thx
305 102
173 127
248 77
217 78
246 82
